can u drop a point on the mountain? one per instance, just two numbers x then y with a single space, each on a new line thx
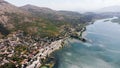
70 14
13 19
35 20
7 7
8 11
8 14
109 9
42 12
25 30
48 13
55 16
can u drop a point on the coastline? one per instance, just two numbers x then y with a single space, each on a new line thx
38 52
44 53
35 52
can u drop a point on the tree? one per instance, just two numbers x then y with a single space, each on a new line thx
8 65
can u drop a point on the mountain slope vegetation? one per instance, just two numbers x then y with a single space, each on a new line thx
35 20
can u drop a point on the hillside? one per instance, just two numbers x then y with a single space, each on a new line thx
7 14
55 16
29 32
39 21
13 19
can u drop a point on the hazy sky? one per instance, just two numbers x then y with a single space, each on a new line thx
74 5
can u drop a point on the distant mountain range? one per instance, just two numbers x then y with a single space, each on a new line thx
48 13
37 20
109 9
40 19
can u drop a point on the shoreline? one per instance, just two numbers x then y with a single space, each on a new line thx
44 53
38 52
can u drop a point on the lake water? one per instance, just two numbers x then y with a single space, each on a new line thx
102 50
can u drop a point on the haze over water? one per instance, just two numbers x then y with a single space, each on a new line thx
103 50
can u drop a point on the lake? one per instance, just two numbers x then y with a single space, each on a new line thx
102 50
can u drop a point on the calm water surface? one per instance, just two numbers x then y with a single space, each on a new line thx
103 50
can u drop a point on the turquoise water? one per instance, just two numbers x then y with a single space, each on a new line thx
102 50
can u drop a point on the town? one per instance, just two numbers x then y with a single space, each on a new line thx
18 50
